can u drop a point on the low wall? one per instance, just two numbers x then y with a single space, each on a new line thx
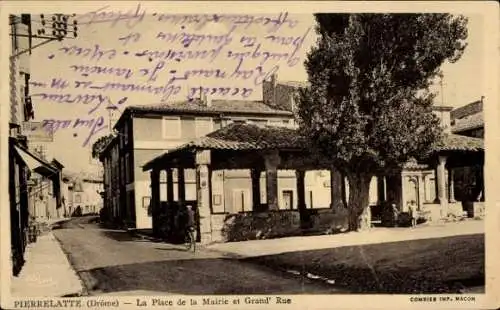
274 224
329 221
262 225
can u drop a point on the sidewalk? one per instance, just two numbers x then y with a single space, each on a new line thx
46 272
255 248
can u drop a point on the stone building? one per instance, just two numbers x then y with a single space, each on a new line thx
468 120
265 151
145 132
23 163
84 193
156 138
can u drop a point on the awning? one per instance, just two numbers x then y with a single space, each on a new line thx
35 163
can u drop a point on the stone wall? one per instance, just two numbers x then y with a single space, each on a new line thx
262 225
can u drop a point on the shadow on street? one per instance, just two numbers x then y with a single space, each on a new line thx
199 277
439 265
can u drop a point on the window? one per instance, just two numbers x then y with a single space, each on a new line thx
171 127
78 198
430 188
241 201
122 171
127 167
13 23
203 126
217 204
287 199
23 102
125 132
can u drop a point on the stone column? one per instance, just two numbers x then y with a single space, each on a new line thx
336 190
272 160
170 185
344 190
381 189
155 198
301 195
181 186
479 174
441 182
203 195
451 186
255 174
421 191
301 198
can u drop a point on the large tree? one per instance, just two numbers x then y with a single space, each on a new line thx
368 105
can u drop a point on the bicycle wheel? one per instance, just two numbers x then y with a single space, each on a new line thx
188 243
193 241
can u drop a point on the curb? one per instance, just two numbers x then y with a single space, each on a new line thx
142 236
83 291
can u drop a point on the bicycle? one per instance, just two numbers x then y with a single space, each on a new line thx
189 240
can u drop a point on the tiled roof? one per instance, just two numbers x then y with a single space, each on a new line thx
248 137
466 110
473 121
241 137
217 106
79 176
452 142
252 137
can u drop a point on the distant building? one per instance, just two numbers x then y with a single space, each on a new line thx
468 120
144 132
83 194
22 162
45 199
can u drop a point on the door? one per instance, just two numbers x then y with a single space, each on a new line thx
412 192
288 200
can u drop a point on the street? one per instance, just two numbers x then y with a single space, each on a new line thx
114 261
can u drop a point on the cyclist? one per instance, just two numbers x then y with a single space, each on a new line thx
190 218
190 222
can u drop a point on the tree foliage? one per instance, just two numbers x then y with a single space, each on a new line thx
368 106
99 145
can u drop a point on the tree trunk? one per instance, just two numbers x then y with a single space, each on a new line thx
359 194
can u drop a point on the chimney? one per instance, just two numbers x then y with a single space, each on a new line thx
274 85
274 80
202 95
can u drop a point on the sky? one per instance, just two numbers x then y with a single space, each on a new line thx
136 51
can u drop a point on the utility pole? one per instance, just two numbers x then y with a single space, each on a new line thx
111 108
57 28
21 110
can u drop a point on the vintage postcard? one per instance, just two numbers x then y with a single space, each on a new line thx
249 155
